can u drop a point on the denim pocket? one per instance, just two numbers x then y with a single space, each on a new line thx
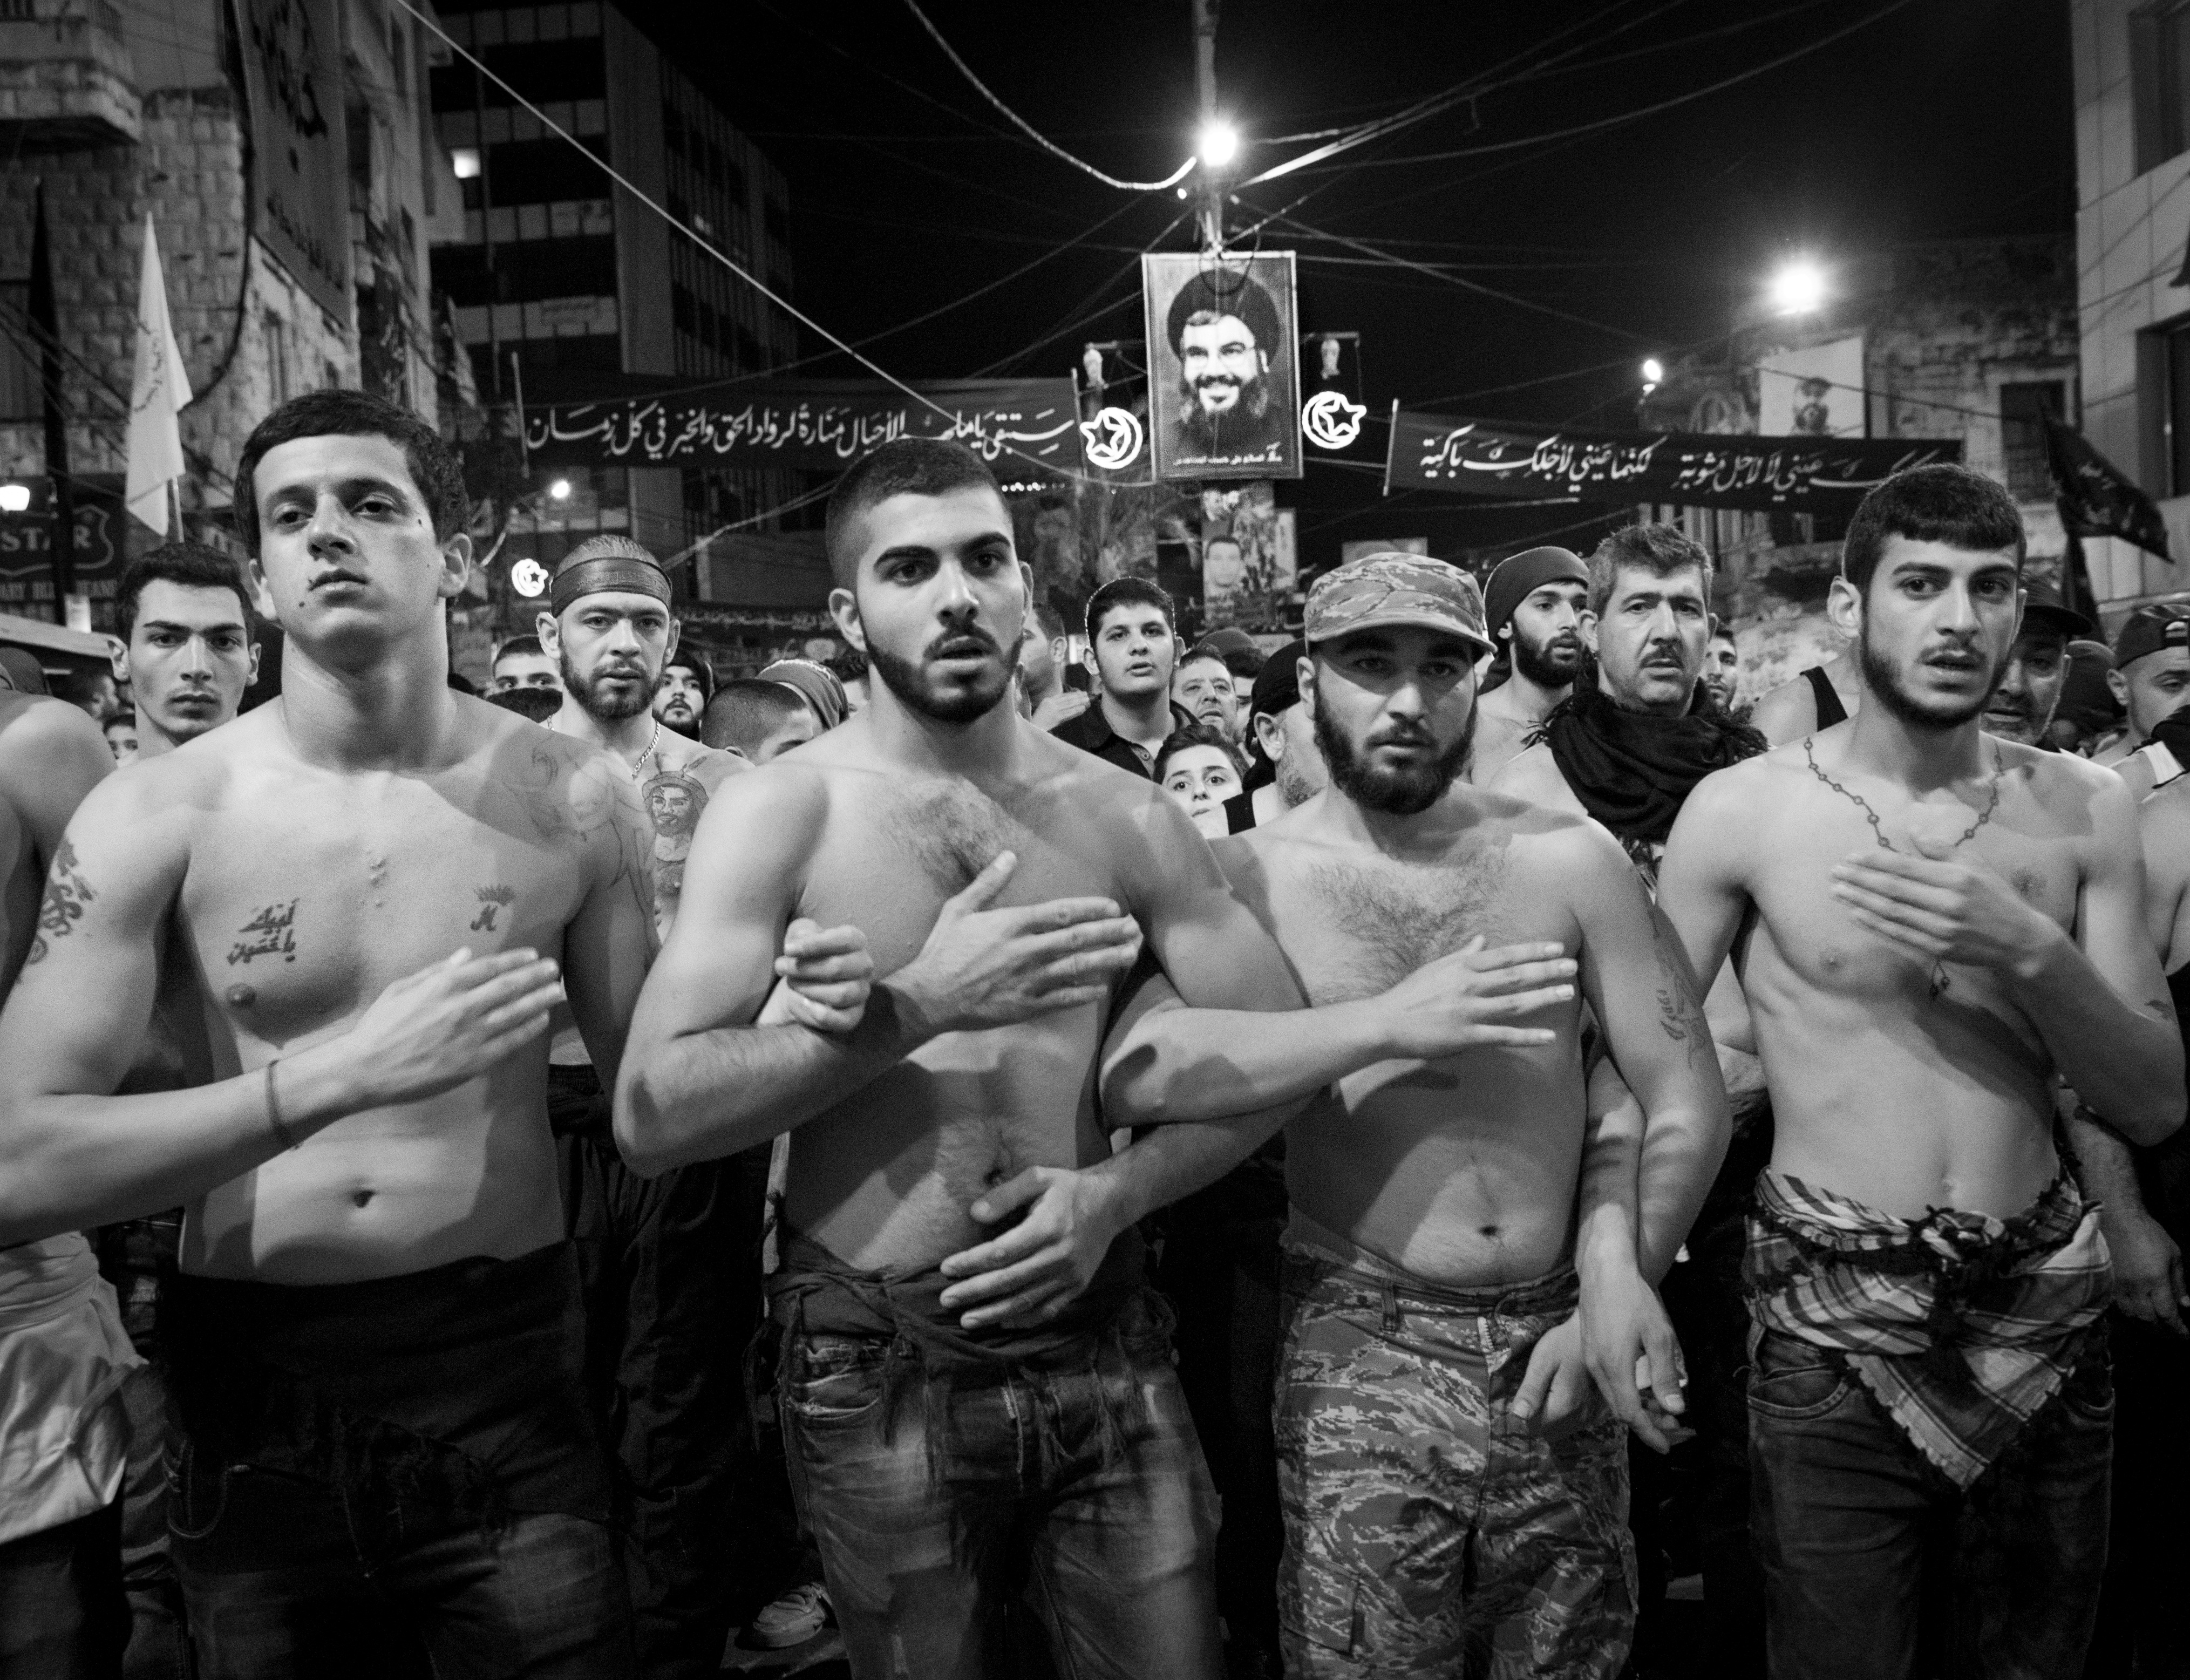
1791 1380
195 1497
832 1381
2088 1392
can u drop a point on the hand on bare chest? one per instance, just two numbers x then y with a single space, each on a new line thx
299 920
886 865
1357 926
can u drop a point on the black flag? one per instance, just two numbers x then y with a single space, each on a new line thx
2097 501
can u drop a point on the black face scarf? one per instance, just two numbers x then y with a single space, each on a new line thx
1632 770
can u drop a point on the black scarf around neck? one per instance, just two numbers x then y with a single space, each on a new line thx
1632 770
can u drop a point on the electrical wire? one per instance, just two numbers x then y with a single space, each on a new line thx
1029 130
723 257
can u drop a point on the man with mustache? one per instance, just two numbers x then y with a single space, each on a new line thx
1223 329
687 685
1538 603
1627 749
1450 1484
977 1389
1934 924
660 1258
2036 671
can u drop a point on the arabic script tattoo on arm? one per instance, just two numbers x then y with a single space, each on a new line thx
66 894
270 932
1680 1016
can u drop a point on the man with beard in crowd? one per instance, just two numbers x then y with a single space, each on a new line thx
1721 669
1131 645
2151 678
63 1349
1538 603
664 1261
2022 702
687 685
1453 1494
1935 923
522 664
377 1441
1287 769
1224 329
1626 750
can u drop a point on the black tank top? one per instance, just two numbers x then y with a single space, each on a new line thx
1830 709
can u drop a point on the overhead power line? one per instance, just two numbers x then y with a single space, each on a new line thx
1031 131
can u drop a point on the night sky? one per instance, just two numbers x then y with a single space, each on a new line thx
1942 119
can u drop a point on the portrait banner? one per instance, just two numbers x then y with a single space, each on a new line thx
1223 365
291 52
1814 392
1028 429
1691 469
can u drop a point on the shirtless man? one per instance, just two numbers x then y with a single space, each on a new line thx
1814 700
965 1419
2151 679
1538 603
664 1264
1444 1496
1938 922
378 1404
64 1426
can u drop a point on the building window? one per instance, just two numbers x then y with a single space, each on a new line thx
2024 409
2159 82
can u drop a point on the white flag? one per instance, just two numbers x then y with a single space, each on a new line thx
157 395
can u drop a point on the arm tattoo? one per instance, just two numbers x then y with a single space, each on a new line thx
66 894
1680 1014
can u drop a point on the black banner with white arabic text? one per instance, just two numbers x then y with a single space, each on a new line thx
1025 429
1692 469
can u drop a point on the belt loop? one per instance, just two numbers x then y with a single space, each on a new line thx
1391 1306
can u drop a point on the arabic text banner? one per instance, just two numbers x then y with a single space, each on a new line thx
1692 469
1026 428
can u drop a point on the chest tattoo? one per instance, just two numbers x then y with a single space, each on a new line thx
272 932
673 801
492 901
1400 915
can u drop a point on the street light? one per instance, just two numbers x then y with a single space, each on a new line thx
560 490
1218 145
1653 374
1798 288
15 497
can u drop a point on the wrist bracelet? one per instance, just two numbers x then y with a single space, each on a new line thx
289 1140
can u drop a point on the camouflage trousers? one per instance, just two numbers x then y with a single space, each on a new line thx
1427 1532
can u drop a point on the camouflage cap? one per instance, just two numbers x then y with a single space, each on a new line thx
1382 590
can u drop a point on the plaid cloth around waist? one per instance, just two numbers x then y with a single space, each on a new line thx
1963 1325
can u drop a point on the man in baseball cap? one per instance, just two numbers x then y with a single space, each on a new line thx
1381 1411
2151 678
1538 603
1224 330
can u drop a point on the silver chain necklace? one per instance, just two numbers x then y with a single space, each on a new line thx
652 742
1939 982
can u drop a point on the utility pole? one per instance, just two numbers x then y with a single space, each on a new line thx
1205 87
45 323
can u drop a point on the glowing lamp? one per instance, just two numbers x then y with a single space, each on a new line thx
15 497
560 490
1653 372
1798 288
1218 145
465 160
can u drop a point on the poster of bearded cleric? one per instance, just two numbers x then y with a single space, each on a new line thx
1223 380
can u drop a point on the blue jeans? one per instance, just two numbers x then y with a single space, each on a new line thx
286 1577
941 1494
1863 1540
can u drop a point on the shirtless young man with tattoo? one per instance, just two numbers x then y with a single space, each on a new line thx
967 1419
1451 1485
1938 923
377 1401
672 1292
63 1352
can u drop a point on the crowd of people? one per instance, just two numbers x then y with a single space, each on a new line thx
1356 1158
